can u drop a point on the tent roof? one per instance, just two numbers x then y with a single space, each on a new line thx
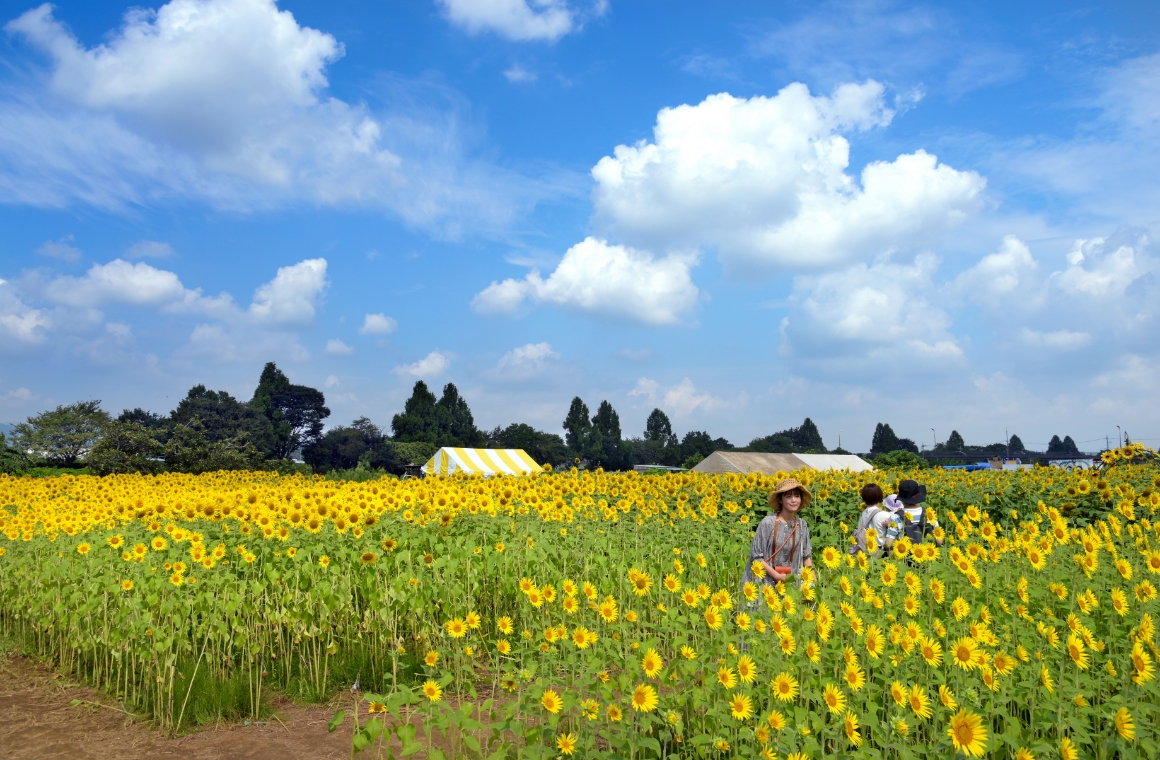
450 459
750 461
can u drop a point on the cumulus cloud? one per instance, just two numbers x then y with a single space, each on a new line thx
118 282
882 310
432 365
603 280
225 101
998 276
645 387
290 298
20 324
543 20
378 324
1099 270
763 180
332 381
60 249
526 361
149 249
335 347
683 399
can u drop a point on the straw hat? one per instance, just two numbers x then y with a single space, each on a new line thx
790 484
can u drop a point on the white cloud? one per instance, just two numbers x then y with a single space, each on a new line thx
997 276
20 324
1108 272
764 181
683 399
1065 340
610 281
59 249
290 298
432 365
547 20
378 324
225 101
335 347
517 73
879 311
635 354
526 361
645 387
146 249
239 343
118 282
332 381
20 394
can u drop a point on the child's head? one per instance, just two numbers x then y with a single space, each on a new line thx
871 494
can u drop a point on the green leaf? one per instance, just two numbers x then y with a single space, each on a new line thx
373 728
336 721
360 741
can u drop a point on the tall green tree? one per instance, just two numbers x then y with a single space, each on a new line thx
605 447
446 422
884 440
12 460
222 417
1016 444
344 448
126 447
191 450
955 442
1066 446
805 438
577 426
61 436
295 412
658 428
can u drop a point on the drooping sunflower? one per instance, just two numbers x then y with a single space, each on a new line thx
850 725
1124 725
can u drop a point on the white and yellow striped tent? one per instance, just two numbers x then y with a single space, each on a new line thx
486 462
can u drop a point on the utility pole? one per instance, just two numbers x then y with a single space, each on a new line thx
839 439
934 436
1119 437
1007 432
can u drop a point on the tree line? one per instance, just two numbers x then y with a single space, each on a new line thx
211 430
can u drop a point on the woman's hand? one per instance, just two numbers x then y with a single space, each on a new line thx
769 571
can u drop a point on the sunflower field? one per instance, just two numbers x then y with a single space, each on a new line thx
594 614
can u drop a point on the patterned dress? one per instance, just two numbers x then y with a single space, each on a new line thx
793 545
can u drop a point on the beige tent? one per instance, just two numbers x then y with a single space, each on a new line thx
745 462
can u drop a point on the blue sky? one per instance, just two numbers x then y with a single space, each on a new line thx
938 216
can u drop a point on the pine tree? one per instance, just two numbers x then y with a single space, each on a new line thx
577 426
884 440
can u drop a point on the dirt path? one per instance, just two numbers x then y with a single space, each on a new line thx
36 721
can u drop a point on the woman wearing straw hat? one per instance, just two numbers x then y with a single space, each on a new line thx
782 542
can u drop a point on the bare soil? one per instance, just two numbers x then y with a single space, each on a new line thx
36 721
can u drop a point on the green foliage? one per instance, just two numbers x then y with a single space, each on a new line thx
344 448
191 450
900 459
295 412
446 422
223 418
126 447
577 426
62 436
693 460
1066 446
544 448
955 441
12 461
604 447
884 440
414 452
804 439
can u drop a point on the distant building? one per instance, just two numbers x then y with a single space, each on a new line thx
745 462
